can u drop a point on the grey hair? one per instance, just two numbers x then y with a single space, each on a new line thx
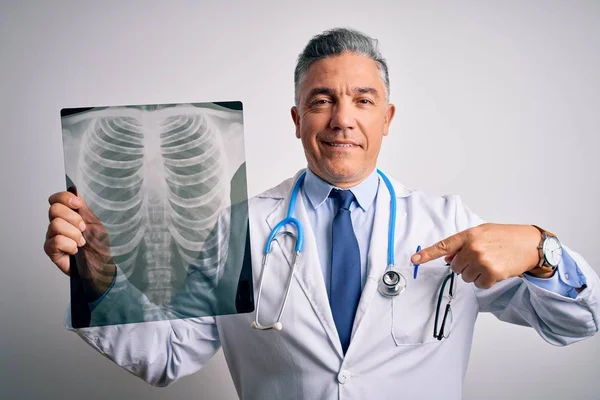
335 42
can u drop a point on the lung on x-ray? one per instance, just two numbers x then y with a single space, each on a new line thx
167 186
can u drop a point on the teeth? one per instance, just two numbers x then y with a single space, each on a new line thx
339 145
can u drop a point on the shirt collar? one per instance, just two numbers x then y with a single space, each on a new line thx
317 190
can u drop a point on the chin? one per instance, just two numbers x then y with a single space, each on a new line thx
343 175
338 171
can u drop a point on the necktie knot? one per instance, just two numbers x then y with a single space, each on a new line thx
344 198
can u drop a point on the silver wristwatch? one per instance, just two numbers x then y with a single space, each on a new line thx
550 250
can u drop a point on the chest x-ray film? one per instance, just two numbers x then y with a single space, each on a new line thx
165 196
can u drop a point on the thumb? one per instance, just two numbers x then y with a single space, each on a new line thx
449 258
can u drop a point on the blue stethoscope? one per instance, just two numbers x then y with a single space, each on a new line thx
392 282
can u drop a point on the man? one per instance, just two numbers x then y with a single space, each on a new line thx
340 337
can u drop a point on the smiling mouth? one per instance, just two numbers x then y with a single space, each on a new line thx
340 145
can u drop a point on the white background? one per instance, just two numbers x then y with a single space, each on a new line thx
497 101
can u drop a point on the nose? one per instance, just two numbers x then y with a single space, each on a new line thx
342 116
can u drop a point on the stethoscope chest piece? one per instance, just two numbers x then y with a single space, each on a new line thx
392 283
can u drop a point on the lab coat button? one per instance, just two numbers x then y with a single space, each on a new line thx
566 276
343 376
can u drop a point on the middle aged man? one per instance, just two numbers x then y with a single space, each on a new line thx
341 338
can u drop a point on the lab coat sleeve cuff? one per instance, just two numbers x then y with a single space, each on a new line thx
565 281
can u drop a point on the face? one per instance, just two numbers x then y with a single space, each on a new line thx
342 117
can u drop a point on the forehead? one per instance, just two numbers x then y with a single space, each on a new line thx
341 71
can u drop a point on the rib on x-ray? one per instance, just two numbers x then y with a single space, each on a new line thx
159 178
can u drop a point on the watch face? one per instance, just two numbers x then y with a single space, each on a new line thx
552 251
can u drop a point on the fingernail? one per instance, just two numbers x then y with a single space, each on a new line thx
75 202
82 226
416 257
82 241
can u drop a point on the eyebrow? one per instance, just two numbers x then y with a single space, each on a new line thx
367 90
329 91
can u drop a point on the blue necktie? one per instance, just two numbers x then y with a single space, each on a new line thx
345 268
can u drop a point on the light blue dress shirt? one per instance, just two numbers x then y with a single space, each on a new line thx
321 209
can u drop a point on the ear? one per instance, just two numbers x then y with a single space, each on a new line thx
389 116
296 119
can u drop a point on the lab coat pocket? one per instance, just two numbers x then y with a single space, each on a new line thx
413 311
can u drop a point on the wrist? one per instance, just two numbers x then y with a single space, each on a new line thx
546 261
533 254
542 272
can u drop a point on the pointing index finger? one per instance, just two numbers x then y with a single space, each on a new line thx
448 246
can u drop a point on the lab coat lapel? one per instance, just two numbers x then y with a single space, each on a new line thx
378 247
308 272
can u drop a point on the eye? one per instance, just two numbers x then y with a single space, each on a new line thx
320 102
365 101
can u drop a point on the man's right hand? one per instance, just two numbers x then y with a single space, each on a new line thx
74 229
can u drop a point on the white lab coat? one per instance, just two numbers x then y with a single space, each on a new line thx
392 342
